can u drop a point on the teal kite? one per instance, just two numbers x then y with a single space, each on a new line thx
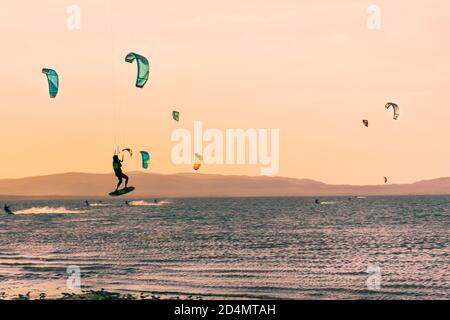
143 68
53 81
176 116
145 159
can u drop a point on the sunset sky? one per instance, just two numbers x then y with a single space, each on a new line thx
309 68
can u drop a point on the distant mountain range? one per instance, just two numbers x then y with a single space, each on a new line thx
203 185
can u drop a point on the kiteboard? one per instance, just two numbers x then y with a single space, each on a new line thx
121 192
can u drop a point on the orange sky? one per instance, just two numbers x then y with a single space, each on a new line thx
309 68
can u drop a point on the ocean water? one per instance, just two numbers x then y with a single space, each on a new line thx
276 248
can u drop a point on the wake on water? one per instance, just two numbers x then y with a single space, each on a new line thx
49 210
101 205
64 210
143 203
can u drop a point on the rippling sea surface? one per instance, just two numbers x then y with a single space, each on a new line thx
289 248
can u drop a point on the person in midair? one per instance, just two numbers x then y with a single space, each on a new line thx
117 166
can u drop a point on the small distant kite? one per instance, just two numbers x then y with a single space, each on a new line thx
366 122
53 81
385 180
143 68
145 159
198 161
395 107
176 116
129 151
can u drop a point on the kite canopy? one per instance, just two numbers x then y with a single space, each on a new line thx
176 116
395 107
366 122
143 68
53 81
198 161
129 151
385 179
145 159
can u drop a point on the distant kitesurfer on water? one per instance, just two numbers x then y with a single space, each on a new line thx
117 166
87 203
317 201
7 209
155 201
127 203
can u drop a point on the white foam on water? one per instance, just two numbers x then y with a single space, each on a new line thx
143 203
101 205
48 210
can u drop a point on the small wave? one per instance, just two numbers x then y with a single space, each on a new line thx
48 210
140 203
328 202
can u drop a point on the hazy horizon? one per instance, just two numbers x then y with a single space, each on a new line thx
312 70
206 185
210 174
